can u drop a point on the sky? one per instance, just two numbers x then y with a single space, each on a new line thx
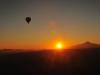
70 21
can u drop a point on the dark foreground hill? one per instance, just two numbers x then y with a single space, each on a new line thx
70 62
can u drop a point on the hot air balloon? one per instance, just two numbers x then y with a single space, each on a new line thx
28 19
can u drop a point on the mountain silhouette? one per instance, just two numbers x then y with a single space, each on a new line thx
83 59
85 45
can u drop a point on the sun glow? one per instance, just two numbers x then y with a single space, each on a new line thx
59 45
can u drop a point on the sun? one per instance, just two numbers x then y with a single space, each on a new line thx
59 45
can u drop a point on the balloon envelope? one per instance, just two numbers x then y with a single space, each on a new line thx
28 19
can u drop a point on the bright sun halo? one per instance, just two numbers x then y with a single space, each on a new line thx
59 45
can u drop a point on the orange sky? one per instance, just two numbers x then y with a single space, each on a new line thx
72 21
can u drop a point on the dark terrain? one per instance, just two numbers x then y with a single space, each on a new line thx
84 61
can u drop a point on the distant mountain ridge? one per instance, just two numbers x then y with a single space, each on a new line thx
86 45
